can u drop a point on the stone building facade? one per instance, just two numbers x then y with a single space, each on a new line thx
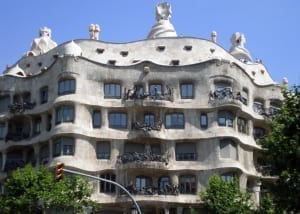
159 116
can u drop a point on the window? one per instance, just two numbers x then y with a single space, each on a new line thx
203 121
106 187
134 147
44 95
223 90
163 184
118 120
174 121
139 91
64 114
274 107
187 91
96 119
149 119
155 91
4 102
44 154
37 125
143 184
63 146
242 125
228 176
186 152
155 149
66 86
259 133
2 131
187 184
49 122
112 90
228 149
103 150
258 107
225 118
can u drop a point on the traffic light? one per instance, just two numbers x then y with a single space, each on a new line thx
59 172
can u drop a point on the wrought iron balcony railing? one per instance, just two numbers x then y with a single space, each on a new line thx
147 126
134 94
21 107
140 157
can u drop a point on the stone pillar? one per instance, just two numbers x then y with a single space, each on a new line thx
243 182
166 210
104 117
256 191
44 122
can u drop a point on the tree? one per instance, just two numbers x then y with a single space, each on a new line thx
33 191
224 197
282 152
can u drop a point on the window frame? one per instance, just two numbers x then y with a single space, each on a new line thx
44 94
228 118
186 187
158 93
103 155
230 147
121 124
62 114
188 88
112 90
205 124
242 128
60 144
185 156
105 187
96 122
149 119
178 123
66 86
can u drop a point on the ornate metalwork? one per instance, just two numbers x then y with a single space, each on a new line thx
140 157
21 107
16 136
135 93
146 126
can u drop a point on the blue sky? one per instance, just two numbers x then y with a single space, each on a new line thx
271 27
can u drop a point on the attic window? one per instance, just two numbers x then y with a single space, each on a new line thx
124 53
111 62
253 73
135 61
174 62
100 50
40 64
161 48
28 65
262 71
188 48
20 74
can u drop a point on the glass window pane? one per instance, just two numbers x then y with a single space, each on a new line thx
96 119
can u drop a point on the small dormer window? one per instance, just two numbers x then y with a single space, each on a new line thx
188 48
40 64
111 62
135 61
175 62
124 53
100 50
161 48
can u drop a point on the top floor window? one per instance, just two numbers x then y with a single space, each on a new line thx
44 95
187 91
225 118
66 86
112 90
106 187
174 121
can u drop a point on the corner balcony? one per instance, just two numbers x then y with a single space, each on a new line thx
224 96
21 107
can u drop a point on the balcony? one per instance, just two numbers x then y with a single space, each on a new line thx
21 107
223 96
141 157
16 136
168 189
265 170
147 126
137 93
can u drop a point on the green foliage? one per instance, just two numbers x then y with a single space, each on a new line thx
266 205
31 191
282 152
224 197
